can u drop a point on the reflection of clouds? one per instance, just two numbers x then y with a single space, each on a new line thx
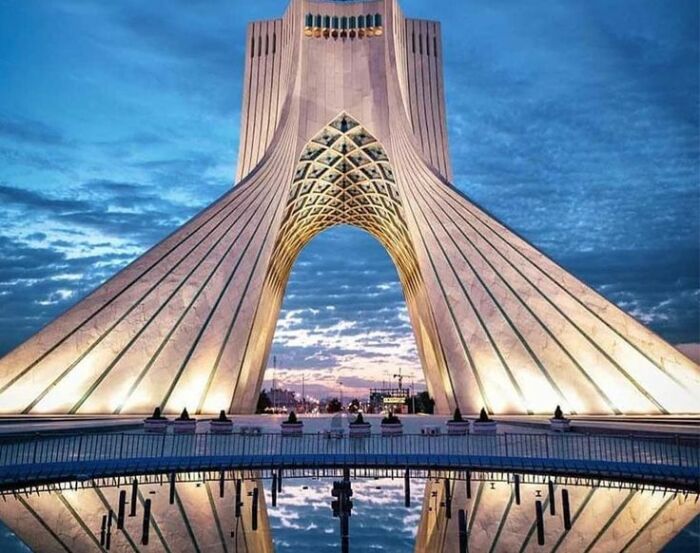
335 326
411 522
379 519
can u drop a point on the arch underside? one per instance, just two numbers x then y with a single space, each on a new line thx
497 324
344 177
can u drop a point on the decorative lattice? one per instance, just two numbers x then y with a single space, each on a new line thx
344 178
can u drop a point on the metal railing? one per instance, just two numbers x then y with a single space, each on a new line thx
28 457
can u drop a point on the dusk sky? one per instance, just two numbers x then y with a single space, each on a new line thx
574 122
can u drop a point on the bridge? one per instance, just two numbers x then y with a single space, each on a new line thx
31 459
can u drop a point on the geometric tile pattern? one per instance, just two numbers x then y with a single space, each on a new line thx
344 178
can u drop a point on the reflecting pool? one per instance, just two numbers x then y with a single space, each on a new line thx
388 511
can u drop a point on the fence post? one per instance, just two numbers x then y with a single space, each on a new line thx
463 543
36 442
145 526
540 522
590 454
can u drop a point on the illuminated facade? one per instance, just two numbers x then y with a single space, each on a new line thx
344 123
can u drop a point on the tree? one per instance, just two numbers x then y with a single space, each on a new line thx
424 403
354 406
334 406
263 402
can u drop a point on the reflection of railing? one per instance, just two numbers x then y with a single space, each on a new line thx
670 459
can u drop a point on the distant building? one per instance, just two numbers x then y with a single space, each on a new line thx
383 399
282 399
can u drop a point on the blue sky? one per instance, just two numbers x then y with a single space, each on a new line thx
574 122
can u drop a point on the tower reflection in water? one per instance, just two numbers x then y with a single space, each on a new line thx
234 512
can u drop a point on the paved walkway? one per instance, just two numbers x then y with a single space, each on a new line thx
667 459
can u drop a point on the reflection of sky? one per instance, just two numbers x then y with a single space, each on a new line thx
575 122
379 521
9 543
604 516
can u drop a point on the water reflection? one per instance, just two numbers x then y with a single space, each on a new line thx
196 514
602 517
205 512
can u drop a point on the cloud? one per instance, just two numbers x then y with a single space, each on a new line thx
36 201
39 282
380 520
28 131
116 209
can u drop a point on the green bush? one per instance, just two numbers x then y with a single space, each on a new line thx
391 419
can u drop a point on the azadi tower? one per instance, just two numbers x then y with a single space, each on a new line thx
344 123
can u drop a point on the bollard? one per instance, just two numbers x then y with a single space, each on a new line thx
134 492
103 530
448 500
254 508
469 484
462 518
221 484
540 523
172 488
516 479
279 481
552 498
238 503
342 508
108 541
146 522
120 511
565 508
407 489
345 534
274 489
